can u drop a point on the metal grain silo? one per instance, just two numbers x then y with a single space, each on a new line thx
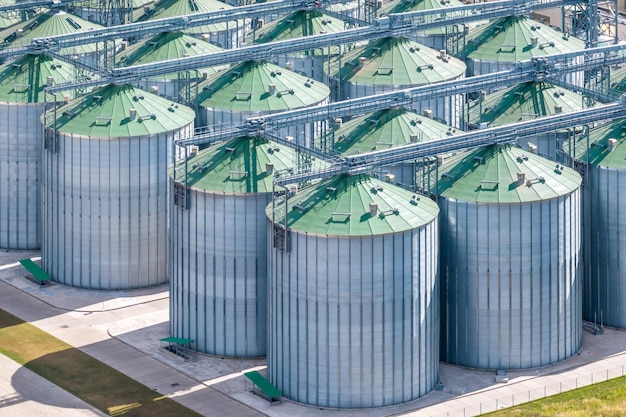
395 63
10 18
22 84
297 25
55 22
528 101
104 193
353 294
502 43
225 35
436 38
163 47
385 129
510 252
604 235
218 245
254 89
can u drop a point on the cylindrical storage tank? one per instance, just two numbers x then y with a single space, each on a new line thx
164 47
22 84
436 38
116 15
385 129
390 64
297 25
510 254
255 89
524 102
104 193
51 23
218 256
353 294
501 44
604 226
225 35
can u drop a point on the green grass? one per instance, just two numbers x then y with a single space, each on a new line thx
606 399
78 373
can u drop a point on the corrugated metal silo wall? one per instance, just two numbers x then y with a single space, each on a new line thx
443 108
510 282
20 175
605 232
218 283
354 322
105 210
308 65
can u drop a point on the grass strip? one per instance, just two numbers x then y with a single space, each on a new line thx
604 399
80 374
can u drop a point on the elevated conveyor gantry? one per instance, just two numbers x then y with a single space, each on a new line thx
536 69
369 161
396 24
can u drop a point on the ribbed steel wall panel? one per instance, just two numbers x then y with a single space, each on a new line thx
218 288
444 108
105 210
605 226
510 282
354 322
21 143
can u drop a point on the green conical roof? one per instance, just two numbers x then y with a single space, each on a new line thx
50 24
403 6
24 80
398 62
173 8
245 88
387 128
298 25
490 175
340 206
238 166
524 102
105 113
599 152
166 46
509 39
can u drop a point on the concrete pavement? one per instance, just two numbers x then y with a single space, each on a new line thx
123 330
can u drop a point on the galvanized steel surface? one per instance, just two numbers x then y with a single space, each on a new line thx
105 210
605 225
354 321
353 304
218 273
510 282
20 175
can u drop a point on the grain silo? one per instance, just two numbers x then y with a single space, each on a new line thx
604 237
385 129
218 245
254 89
51 23
501 44
436 38
22 103
166 46
510 252
352 294
225 35
104 193
296 25
395 63
524 102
